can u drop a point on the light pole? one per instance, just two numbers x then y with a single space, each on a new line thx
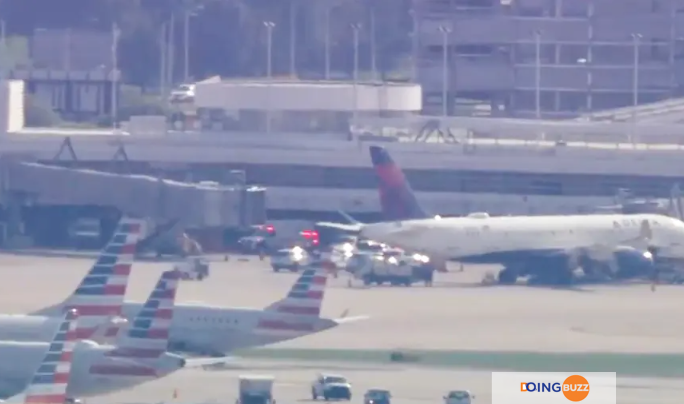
163 48
269 53
171 53
293 39
356 27
115 71
414 46
3 47
269 46
445 68
537 73
587 65
636 41
373 55
186 46
327 41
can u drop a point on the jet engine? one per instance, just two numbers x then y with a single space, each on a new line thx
633 262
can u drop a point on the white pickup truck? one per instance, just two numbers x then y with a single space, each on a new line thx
329 386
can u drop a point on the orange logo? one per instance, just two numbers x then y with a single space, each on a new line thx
575 388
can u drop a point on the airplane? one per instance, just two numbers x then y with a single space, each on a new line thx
98 298
215 331
140 355
205 330
546 248
50 379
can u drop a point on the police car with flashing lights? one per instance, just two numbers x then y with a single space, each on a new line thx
289 259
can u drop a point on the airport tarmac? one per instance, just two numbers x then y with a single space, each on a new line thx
408 385
456 313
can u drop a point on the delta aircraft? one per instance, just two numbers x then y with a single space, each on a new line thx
139 355
196 328
548 248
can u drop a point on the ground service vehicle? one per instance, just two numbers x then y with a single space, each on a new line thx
377 396
256 389
392 269
458 397
329 386
289 258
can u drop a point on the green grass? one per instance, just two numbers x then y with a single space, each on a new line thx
644 365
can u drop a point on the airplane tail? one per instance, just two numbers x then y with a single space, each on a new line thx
305 298
101 293
397 199
148 335
50 381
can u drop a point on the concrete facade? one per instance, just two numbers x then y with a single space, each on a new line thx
587 60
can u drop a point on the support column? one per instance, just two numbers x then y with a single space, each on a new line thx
15 229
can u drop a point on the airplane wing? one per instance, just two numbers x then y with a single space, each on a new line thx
351 228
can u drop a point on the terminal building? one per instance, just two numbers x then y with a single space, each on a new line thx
576 55
286 106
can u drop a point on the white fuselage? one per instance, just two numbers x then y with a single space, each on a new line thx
487 239
195 327
20 360
219 330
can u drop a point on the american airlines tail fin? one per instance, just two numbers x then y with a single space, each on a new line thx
148 335
397 199
49 383
305 298
101 293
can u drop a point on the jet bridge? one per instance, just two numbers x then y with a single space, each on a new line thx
195 205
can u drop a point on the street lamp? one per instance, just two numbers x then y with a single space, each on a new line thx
537 73
586 63
414 46
115 79
445 30
269 50
373 51
327 42
356 27
636 41
293 38
269 46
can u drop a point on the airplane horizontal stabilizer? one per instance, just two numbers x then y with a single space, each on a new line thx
207 362
352 319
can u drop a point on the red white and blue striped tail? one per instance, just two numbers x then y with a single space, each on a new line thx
148 336
101 293
306 296
49 383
